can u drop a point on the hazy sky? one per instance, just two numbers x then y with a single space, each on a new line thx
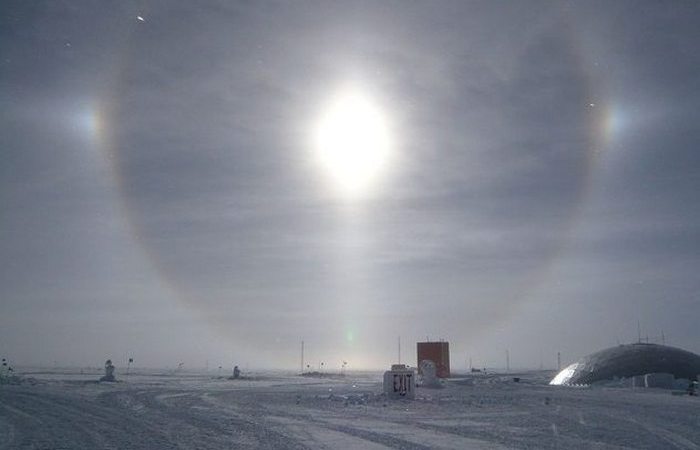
161 198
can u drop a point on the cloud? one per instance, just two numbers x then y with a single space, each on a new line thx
202 190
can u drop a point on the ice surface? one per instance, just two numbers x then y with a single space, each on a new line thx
165 410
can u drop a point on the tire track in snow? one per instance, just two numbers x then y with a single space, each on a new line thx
46 420
188 417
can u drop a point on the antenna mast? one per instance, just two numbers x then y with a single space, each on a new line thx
639 333
399 349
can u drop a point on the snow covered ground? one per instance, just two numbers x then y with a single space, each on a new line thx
152 410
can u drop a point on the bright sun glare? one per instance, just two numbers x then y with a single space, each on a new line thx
352 142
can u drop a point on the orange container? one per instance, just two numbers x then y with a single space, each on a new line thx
437 352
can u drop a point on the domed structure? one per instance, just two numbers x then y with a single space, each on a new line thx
630 360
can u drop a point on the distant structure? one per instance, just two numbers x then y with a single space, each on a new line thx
649 365
7 375
438 353
109 371
429 376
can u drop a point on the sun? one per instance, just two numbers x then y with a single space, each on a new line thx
352 142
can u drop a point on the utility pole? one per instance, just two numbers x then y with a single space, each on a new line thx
399 349
559 361
639 332
507 361
302 357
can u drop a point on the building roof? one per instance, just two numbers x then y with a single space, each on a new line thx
630 360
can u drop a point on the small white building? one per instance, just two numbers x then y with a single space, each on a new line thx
400 382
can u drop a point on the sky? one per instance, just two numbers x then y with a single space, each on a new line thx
162 195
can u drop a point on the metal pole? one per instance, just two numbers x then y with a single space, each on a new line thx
639 332
399 349
559 361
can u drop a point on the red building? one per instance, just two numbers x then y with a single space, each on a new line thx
437 352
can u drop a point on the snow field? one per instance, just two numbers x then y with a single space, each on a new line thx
273 410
